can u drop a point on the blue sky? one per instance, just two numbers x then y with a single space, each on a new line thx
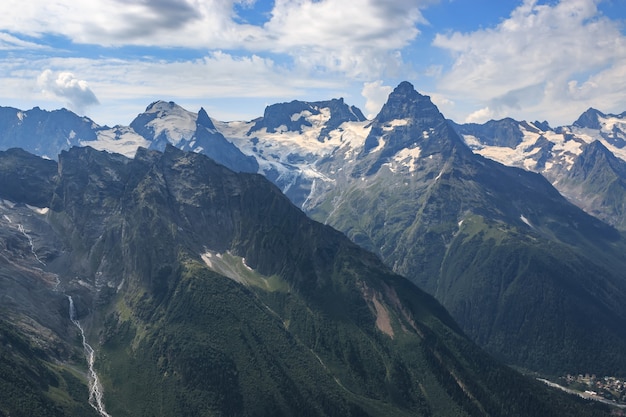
477 59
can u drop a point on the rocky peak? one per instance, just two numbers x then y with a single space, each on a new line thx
297 115
589 119
544 126
596 156
505 132
408 120
204 120
405 102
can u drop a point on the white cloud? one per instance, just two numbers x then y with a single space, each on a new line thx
223 83
9 42
376 95
480 116
443 103
555 59
67 87
360 38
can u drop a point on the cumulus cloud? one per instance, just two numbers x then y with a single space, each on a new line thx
64 85
554 57
376 95
360 37
480 116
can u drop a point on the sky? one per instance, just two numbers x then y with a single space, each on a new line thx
477 59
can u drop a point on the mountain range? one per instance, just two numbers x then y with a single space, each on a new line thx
206 292
584 161
527 274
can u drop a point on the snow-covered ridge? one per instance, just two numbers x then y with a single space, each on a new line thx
552 151
121 139
173 121
294 148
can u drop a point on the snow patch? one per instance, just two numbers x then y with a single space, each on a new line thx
39 210
122 140
174 122
243 261
206 257
297 116
473 142
525 220
389 126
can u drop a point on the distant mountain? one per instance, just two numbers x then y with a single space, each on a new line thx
296 115
48 133
526 274
42 132
291 137
511 259
205 292
597 183
555 154
165 124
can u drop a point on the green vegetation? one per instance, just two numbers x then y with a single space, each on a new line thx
528 276
309 325
31 385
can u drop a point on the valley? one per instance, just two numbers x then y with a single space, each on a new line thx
379 271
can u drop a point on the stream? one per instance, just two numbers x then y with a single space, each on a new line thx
96 392
95 389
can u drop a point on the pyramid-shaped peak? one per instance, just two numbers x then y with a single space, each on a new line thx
204 119
404 87
597 148
589 119
405 102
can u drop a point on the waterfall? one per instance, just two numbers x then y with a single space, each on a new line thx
30 241
95 389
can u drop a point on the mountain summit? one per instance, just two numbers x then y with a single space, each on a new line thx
407 121
297 115
504 252
166 123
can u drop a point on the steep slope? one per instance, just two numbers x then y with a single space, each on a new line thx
597 183
36 335
207 293
291 138
525 273
42 132
555 153
166 123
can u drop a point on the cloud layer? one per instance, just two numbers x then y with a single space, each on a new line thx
360 37
559 57
547 59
